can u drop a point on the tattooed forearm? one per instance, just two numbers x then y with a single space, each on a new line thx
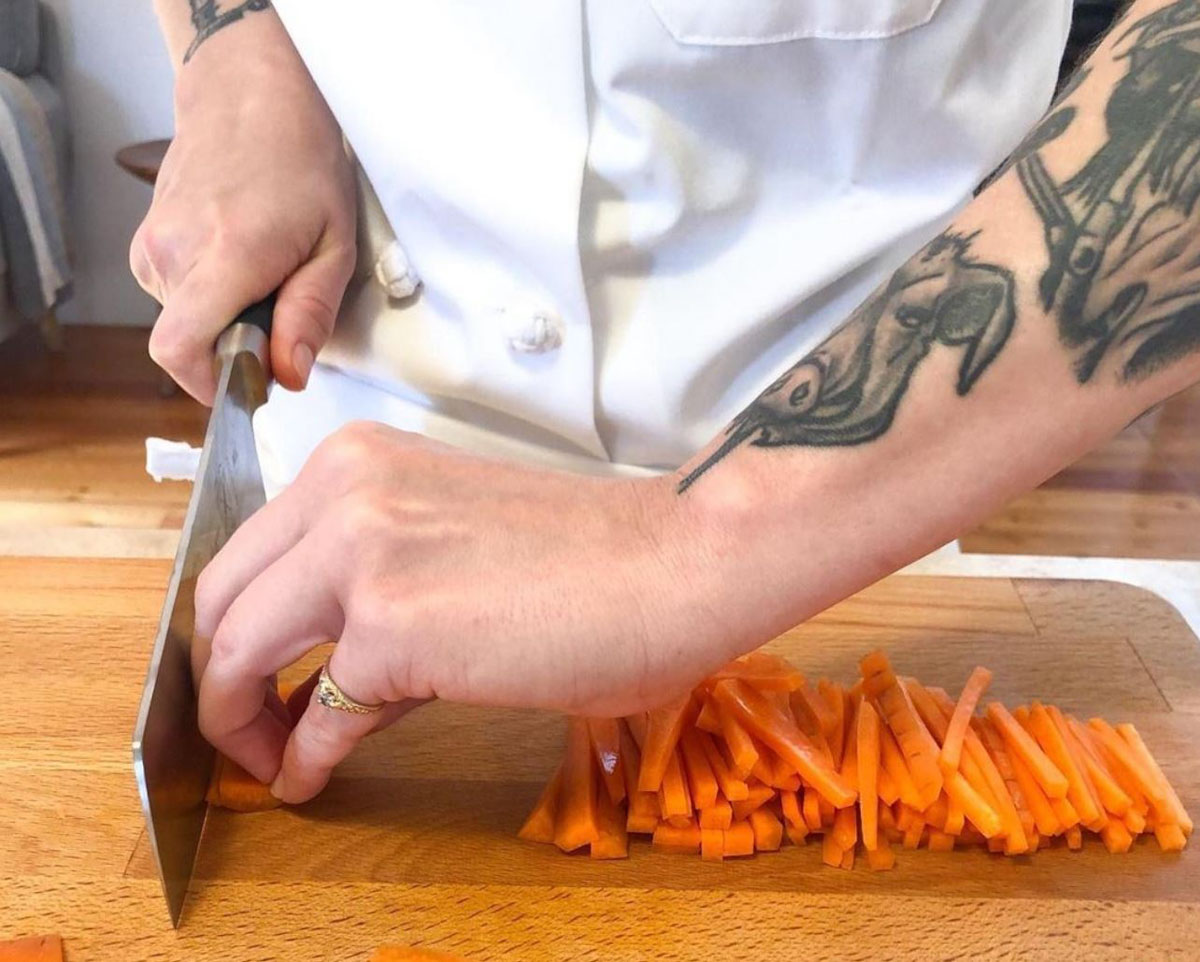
1124 275
209 16
847 391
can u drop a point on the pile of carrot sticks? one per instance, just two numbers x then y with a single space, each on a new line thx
756 754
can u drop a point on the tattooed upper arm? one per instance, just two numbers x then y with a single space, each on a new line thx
1121 282
210 16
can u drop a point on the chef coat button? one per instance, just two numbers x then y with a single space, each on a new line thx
394 273
535 332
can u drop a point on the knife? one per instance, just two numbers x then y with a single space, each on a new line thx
171 760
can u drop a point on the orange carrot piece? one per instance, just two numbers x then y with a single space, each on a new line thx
673 796
737 742
847 859
913 834
1135 821
893 761
673 838
789 805
981 814
940 841
888 792
234 788
708 720
881 858
827 812
663 728
956 818
797 835
952 744
849 769
539 826
1116 837
812 809
712 844
719 815
1170 837
920 750
935 814
701 780
888 829
1035 796
1023 746
1121 758
1174 806
606 746
1074 837
643 811
938 723
575 825
614 838
768 830
867 764
1107 789
816 707
738 839
836 702
1065 812
845 827
39 948
759 795
402 953
732 787
831 851
764 671
780 733
1042 727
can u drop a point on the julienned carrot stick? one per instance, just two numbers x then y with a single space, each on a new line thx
845 827
1116 837
1122 757
606 746
712 844
834 700
1112 797
892 759
739 746
1174 805
781 734
671 838
673 795
1077 756
733 788
1022 745
663 728
881 858
643 811
867 764
765 672
825 717
972 691
768 830
539 826
1042 727
831 851
738 839
701 780
41 948
759 795
920 750
981 814
789 804
718 816
1170 837
707 720
637 725
610 821
811 809
575 825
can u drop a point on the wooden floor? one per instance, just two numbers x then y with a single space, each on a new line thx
72 481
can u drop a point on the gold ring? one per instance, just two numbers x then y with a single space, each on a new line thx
331 696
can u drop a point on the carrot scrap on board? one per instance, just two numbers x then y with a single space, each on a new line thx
755 755
234 788
38 948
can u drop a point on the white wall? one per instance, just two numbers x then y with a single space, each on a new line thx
117 80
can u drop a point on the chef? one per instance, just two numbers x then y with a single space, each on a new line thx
656 327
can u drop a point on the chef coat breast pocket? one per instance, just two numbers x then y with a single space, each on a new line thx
735 23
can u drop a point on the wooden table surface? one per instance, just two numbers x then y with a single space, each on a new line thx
414 841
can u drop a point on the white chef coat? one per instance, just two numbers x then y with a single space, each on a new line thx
628 215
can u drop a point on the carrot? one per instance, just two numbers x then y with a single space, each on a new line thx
847 859
796 835
1135 821
234 788
1022 745
1035 797
956 818
606 746
719 815
812 809
41 948
1042 727
614 839
920 750
913 834
834 700
868 773
708 720
400 953
816 706
1173 805
1116 837
643 810
1170 837
849 768
831 851
888 829
738 839
952 744
1074 837
764 671
663 728
780 733
701 780
1111 795
712 844
981 814
768 830
935 814
738 745
789 805
732 787
539 826
673 796
881 858
888 792
673 838
575 825
845 827
1065 812
893 762
940 841
758 797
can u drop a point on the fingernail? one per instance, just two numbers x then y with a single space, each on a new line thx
277 787
302 359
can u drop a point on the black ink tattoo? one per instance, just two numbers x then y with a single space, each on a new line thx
208 18
1124 244
847 391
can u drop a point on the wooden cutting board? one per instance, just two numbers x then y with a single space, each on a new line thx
414 841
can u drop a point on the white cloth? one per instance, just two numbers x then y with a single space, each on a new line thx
628 215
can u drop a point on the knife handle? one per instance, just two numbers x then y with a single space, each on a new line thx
249 332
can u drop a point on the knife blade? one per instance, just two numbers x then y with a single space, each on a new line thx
171 760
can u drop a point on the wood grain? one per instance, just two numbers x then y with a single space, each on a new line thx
414 840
